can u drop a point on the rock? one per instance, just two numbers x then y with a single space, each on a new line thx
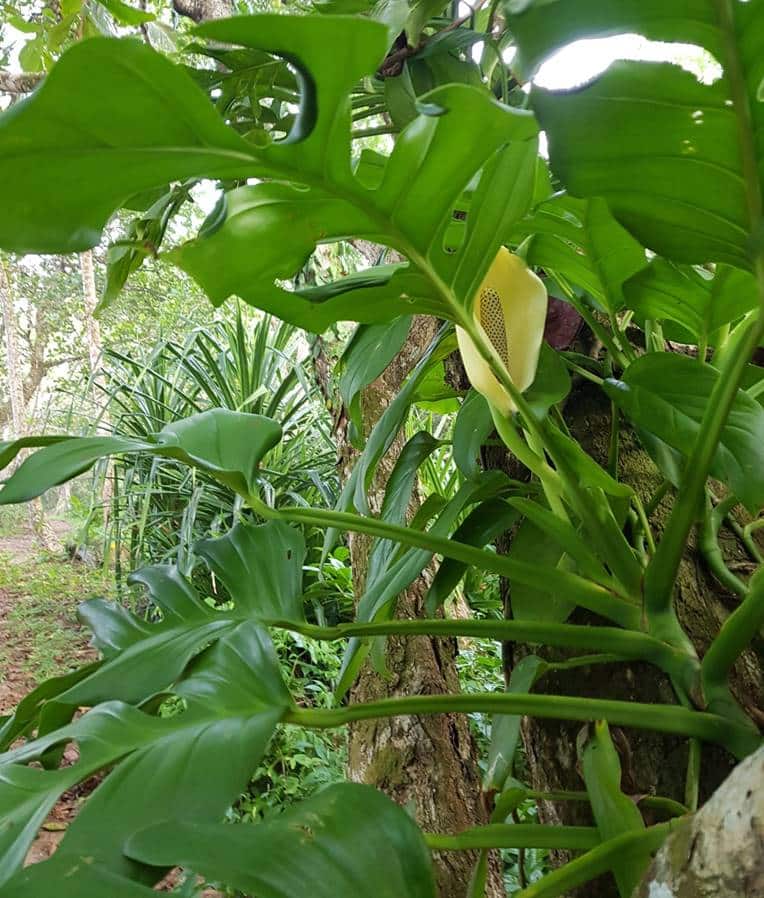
719 852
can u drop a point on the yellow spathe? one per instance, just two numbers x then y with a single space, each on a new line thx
510 309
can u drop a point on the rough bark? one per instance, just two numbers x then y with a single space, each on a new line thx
12 83
652 763
203 10
719 853
428 764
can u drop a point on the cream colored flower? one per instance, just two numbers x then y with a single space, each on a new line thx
510 309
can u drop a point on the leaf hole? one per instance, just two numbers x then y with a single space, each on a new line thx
583 61
265 97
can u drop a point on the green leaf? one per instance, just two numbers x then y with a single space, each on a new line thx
287 224
126 14
397 500
667 394
473 426
93 159
143 658
367 354
484 523
580 240
59 460
401 98
405 565
591 475
421 13
339 841
384 432
72 876
408 210
194 763
566 537
11 448
309 193
28 709
411 200
614 813
696 301
145 232
505 729
551 384
228 445
675 159
531 545
261 567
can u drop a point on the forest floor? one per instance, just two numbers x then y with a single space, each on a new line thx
40 637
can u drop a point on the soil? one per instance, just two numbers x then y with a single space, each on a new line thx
16 681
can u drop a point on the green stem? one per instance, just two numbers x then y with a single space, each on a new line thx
373 132
614 447
587 375
736 633
740 740
535 463
624 643
657 498
745 535
703 349
522 835
662 571
583 592
708 542
654 802
620 557
636 844
619 336
644 522
692 781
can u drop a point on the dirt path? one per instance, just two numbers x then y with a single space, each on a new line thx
32 610
39 631
40 636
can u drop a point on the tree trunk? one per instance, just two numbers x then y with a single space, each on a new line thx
95 353
90 300
428 764
12 355
42 532
652 763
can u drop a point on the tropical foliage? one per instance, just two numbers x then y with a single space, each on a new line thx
185 700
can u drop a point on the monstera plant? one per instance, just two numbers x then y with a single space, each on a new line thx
647 157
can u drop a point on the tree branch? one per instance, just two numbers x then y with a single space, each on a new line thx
203 10
19 84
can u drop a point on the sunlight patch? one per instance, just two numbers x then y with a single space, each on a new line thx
584 60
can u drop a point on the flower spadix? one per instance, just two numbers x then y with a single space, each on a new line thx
510 310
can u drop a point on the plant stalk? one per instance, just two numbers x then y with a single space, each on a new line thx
522 835
624 643
588 595
737 738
